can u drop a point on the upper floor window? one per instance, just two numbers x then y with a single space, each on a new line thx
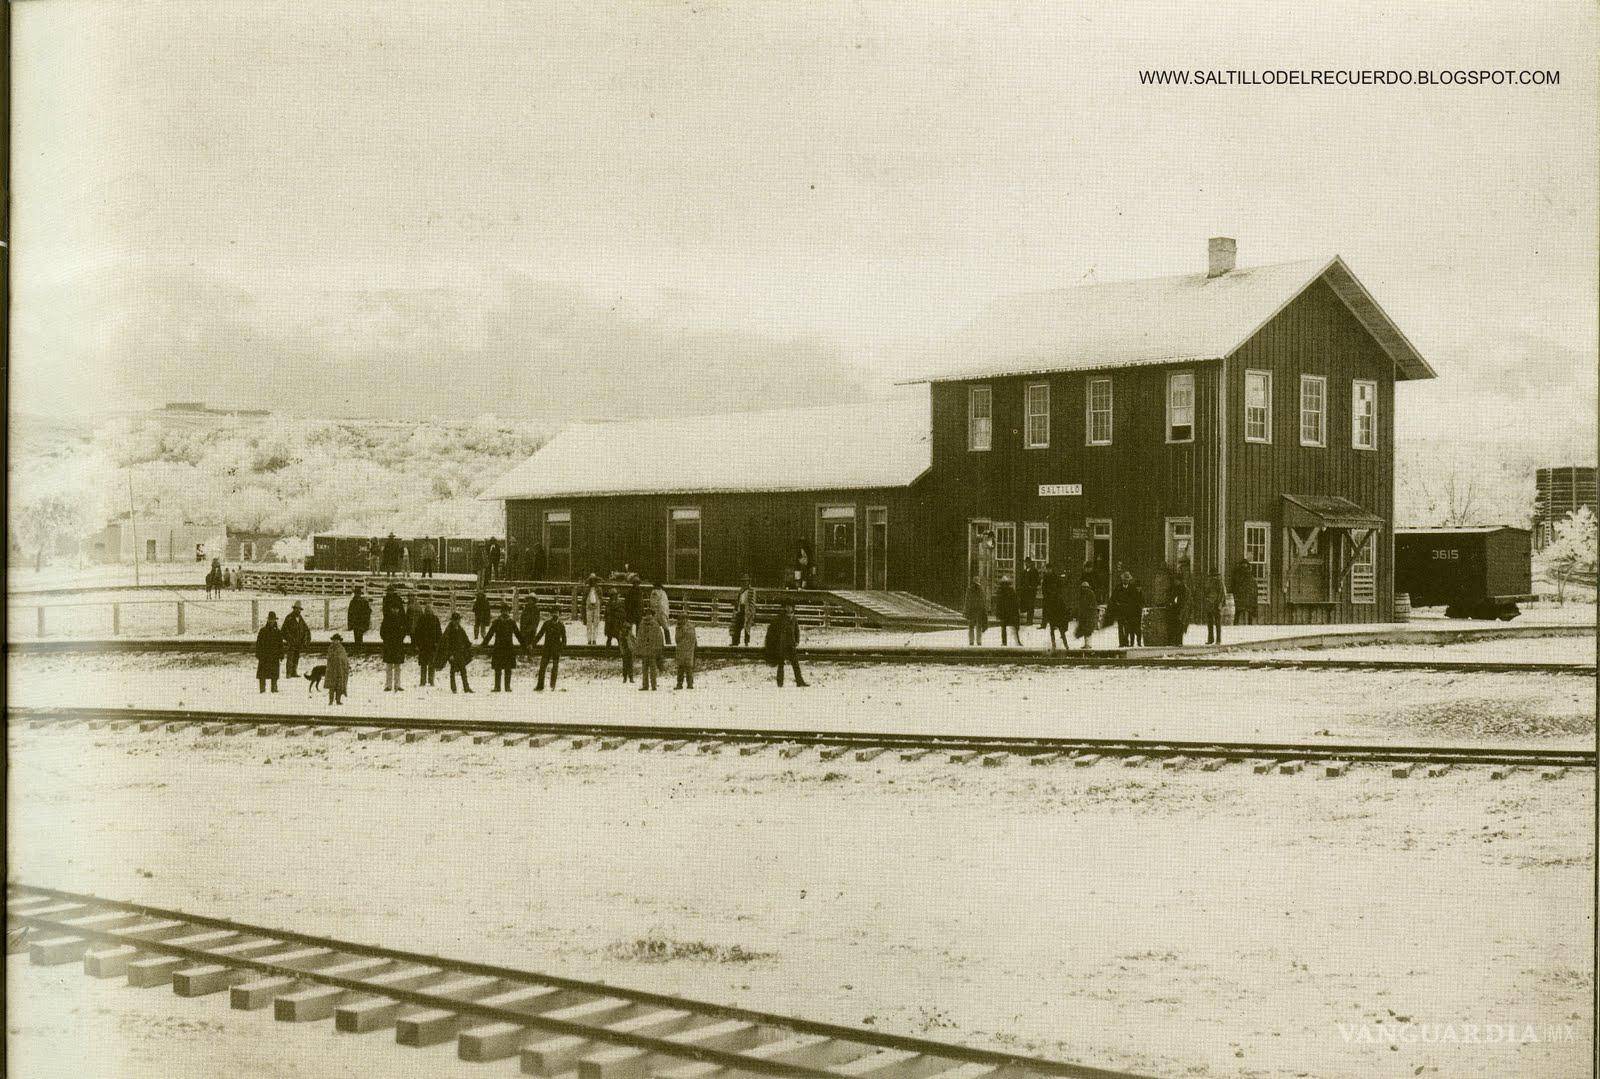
1364 414
1037 426
1258 406
1099 421
980 417
1180 406
1313 410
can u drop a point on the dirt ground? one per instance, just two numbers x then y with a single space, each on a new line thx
1177 924
1308 706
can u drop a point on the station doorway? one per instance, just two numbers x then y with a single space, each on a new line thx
836 526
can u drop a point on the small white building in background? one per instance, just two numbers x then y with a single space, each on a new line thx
155 539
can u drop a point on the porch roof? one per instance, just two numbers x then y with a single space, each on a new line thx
1327 511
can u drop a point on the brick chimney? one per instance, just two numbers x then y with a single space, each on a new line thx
1220 254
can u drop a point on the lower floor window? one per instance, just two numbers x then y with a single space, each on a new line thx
1036 542
1180 541
1257 552
1364 572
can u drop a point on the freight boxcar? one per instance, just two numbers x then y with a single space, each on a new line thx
1473 572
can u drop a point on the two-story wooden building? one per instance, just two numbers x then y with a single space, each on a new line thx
1209 417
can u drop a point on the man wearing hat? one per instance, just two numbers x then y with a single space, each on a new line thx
457 651
744 613
337 677
269 650
296 639
591 610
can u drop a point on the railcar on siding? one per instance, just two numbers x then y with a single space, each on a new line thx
1477 572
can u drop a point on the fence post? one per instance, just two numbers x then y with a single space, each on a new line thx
180 617
326 614
116 619
40 620
255 615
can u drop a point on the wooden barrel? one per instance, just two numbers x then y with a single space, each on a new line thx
1402 606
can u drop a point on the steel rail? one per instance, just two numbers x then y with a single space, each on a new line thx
62 923
848 740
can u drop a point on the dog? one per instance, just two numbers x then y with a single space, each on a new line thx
314 676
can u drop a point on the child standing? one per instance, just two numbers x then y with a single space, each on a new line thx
686 647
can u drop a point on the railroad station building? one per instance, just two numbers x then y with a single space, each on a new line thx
1208 417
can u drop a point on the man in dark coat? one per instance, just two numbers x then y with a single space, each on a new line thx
458 651
391 555
616 618
633 600
393 631
975 607
1242 583
1088 607
782 643
359 617
501 642
269 650
426 634
492 564
528 621
1027 593
1209 604
536 570
1056 616
481 613
744 613
1177 604
1007 610
1127 607
427 558
551 636
296 639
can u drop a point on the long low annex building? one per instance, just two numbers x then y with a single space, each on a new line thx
1237 414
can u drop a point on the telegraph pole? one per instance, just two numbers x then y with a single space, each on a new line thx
133 525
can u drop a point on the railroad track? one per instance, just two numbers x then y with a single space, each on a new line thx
1328 759
889 654
551 1025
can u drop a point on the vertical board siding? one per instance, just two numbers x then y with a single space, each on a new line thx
1136 482
1315 335
740 533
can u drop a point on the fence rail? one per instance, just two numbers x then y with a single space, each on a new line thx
327 613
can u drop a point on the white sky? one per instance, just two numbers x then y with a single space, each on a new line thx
867 175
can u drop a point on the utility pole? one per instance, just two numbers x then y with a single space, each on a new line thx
133 525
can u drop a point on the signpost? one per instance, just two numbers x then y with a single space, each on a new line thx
1059 490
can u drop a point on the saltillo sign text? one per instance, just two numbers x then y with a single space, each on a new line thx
1057 490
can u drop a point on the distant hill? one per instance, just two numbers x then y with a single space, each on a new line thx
291 475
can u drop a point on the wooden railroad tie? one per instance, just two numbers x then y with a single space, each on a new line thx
1552 773
916 754
1334 769
1040 760
1134 761
1291 768
1088 760
1403 771
871 754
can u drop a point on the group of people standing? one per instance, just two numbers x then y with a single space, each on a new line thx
636 620
1181 599
219 579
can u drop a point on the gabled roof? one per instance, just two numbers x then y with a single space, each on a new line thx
1184 319
876 443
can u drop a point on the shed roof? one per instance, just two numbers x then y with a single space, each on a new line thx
875 443
1327 511
1182 319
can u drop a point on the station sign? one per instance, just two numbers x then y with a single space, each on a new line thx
1059 490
